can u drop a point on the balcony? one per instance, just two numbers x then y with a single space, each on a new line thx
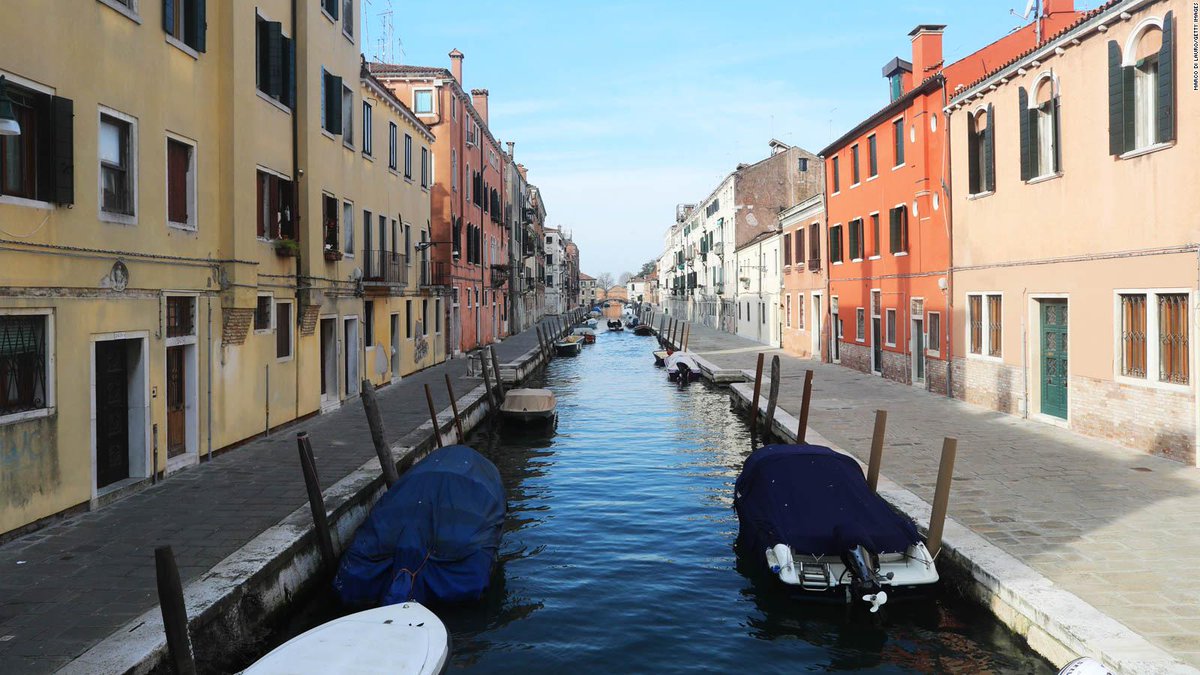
434 273
384 269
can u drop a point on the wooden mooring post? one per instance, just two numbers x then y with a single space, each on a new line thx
876 449
437 431
375 422
454 406
687 332
496 372
316 501
174 612
941 496
772 399
757 390
802 431
487 381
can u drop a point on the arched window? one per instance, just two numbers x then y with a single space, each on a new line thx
1141 86
1040 128
981 150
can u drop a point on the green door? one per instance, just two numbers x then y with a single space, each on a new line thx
1054 358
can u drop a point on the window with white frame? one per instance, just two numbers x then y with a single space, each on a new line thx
890 324
26 363
348 229
788 310
1141 86
408 157
181 183
392 150
800 311
367 144
348 18
860 324
347 116
424 167
985 324
118 165
933 343
1154 331
423 101
283 330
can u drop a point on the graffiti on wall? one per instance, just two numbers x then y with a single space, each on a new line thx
28 461
421 343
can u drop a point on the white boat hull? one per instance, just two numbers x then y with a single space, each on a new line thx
828 575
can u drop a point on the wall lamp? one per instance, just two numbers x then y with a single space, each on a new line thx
8 119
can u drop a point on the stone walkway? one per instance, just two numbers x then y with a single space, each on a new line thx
67 587
1116 527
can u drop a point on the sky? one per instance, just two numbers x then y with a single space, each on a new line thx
621 110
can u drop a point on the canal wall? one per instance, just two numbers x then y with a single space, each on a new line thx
1055 623
233 606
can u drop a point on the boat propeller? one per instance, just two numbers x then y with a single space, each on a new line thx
876 599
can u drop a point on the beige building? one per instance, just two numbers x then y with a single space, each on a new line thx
185 260
1074 271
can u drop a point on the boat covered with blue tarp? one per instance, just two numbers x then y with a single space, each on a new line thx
433 536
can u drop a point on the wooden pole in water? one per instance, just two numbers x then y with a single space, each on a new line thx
174 611
316 501
496 371
454 406
487 382
772 398
757 389
802 432
437 432
375 422
876 449
541 343
941 496
687 333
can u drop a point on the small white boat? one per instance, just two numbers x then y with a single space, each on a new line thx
682 367
592 323
405 638
529 405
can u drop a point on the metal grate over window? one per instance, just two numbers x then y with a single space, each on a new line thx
1173 338
181 316
1133 335
22 363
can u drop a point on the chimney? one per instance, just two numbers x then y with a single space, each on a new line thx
926 51
1057 6
456 59
479 100
510 145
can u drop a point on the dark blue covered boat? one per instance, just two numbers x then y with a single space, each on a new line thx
434 536
808 512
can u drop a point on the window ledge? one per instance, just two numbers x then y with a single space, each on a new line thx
854 185
284 359
408 179
272 101
981 195
328 15
347 35
368 156
1147 383
348 146
122 9
183 227
934 353
15 418
392 170
871 178
898 167
837 262
835 192
26 202
116 218
900 254
176 43
1147 150
985 357
856 260
874 257
1044 178
328 134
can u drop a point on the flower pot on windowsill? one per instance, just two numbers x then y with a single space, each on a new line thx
287 248
332 255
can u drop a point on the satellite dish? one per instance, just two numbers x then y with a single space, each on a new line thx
357 274
1029 8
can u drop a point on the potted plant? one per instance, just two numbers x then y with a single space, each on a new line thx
332 253
287 248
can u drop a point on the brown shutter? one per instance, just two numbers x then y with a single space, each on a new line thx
177 169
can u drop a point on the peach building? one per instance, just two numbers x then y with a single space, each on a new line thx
1075 226
803 301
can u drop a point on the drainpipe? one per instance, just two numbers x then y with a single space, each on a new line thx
949 206
296 217
209 392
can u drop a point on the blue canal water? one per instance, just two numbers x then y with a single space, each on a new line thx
618 554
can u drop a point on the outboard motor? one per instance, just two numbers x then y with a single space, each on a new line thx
865 582
685 372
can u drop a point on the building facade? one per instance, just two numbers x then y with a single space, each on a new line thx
804 281
1090 326
758 289
587 290
555 254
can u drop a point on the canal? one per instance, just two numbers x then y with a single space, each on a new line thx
618 553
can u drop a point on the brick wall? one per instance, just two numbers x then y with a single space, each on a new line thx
856 356
896 367
236 325
772 185
991 384
1157 421
936 371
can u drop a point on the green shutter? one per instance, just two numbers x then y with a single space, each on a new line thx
62 110
333 104
1165 115
989 150
274 81
1031 117
894 230
1028 148
289 72
168 23
1116 100
197 25
1128 73
1056 111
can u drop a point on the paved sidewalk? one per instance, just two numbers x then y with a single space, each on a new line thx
67 587
1118 528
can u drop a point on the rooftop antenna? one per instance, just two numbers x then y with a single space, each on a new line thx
383 42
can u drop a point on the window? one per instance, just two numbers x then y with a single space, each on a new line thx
1133 335
814 247
408 241
860 324
274 207
367 144
1141 87
856 239
331 104
896 85
369 322
1173 338
181 183
283 330
423 101
118 175
799 256
872 156
437 316
876 247
1039 131
454 170
26 362
329 212
348 228
898 141
890 324
347 116
898 233
276 62
787 250
835 244
788 310
408 318
854 165
392 154
800 311
934 340
185 21
837 183
408 160
331 8
981 150
424 167
181 316
985 334
348 18
425 317
1164 337
262 313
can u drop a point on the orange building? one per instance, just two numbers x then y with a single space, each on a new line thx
469 251
888 240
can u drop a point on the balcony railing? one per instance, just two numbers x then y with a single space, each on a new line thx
384 267
435 273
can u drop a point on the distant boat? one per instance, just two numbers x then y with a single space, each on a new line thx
592 323
643 329
615 325
660 357
405 638
589 335
569 346
529 405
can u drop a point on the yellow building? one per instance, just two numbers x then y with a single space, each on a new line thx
183 259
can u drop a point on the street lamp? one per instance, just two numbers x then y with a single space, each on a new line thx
425 245
8 119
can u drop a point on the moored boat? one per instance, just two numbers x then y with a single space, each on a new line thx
807 514
682 367
643 329
529 405
589 335
571 345
615 325
592 323
660 357
403 638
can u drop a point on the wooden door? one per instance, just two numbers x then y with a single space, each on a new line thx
918 350
176 415
876 345
1054 357
112 412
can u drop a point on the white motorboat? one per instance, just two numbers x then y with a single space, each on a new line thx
529 405
405 638
682 367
